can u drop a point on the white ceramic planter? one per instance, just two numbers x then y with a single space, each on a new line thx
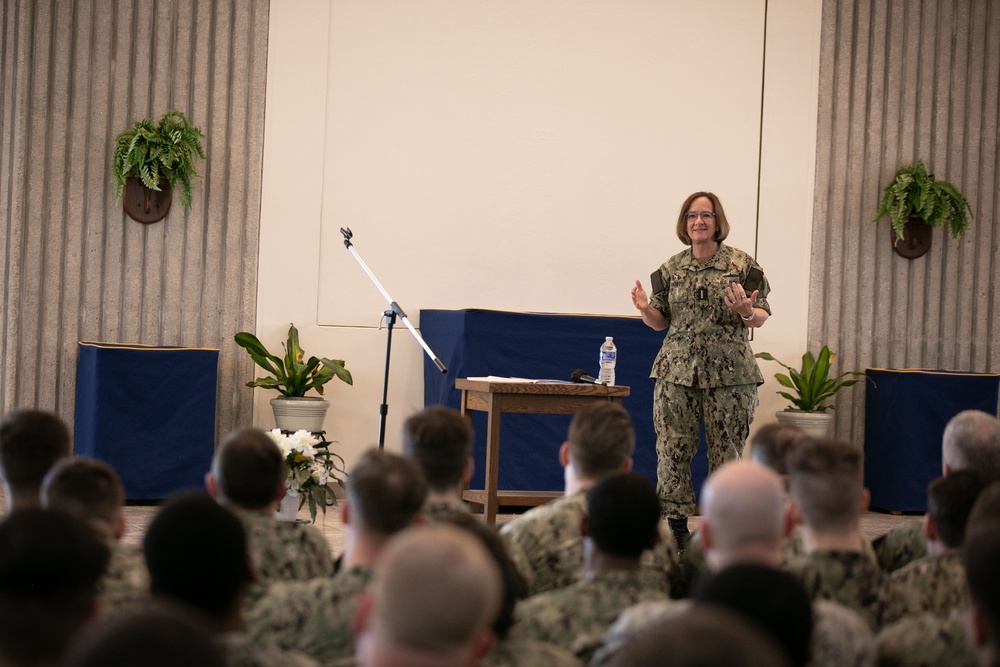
288 510
815 424
305 412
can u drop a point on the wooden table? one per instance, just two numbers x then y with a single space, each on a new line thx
495 397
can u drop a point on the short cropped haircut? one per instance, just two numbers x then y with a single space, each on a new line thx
514 586
50 565
826 482
771 444
88 489
949 502
31 441
980 556
769 598
249 468
971 440
439 439
385 491
721 223
601 439
159 636
196 552
623 514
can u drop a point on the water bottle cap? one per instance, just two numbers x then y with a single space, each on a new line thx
608 338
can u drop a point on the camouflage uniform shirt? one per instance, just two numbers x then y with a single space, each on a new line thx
546 545
576 617
707 345
241 651
314 617
939 581
926 640
902 545
855 581
283 551
525 652
434 510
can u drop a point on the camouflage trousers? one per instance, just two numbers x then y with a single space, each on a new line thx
678 413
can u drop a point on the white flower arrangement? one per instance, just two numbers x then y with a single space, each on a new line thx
312 467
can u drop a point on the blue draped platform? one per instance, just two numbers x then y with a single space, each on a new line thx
149 412
906 411
542 346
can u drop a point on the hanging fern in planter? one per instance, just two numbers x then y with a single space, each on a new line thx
913 191
147 151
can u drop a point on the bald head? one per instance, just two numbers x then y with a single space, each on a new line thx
971 440
745 513
434 595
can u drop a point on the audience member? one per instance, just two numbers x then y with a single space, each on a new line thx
91 491
981 556
705 636
439 439
509 651
622 521
745 521
827 490
432 600
50 564
248 477
154 637
197 555
385 492
938 578
31 441
771 444
971 441
600 442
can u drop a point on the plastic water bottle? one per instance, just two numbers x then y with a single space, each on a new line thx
609 355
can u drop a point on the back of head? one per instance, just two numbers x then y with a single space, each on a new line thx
825 479
385 492
248 469
981 554
971 440
772 443
439 439
771 599
50 564
31 441
705 636
158 637
601 440
88 489
986 510
623 515
435 591
744 505
196 552
514 586
949 502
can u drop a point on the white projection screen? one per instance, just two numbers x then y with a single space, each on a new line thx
529 155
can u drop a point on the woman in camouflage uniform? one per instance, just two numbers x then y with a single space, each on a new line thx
705 370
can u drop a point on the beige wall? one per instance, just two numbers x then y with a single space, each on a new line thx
311 143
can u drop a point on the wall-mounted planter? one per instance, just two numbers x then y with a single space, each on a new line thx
146 205
916 239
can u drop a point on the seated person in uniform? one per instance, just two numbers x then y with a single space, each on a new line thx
31 442
439 439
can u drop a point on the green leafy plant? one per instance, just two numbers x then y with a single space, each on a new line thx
913 191
811 383
292 375
167 149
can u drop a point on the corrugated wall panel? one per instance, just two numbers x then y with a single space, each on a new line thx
74 74
904 80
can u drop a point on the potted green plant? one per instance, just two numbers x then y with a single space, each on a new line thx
292 376
811 386
914 195
155 158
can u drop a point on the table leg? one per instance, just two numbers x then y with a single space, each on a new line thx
492 459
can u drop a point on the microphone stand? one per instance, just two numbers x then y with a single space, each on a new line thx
391 314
